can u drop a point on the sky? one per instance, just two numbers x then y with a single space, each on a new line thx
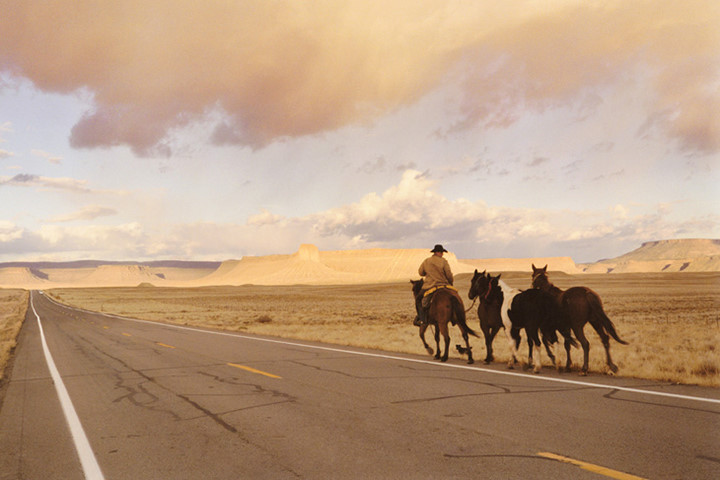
173 129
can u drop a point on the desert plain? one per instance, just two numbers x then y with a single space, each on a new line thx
670 320
669 313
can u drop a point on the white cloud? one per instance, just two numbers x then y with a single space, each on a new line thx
410 214
47 156
9 232
38 181
264 218
89 212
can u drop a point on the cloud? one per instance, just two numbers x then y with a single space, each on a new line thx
62 242
410 214
55 183
48 156
567 55
269 71
6 154
264 218
9 231
37 181
89 212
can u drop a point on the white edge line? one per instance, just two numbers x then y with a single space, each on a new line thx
405 359
89 463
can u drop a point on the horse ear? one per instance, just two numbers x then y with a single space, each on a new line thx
476 272
544 269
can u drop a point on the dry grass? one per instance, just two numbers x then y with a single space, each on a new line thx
13 306
671 320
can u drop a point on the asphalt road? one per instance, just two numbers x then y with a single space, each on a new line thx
155 401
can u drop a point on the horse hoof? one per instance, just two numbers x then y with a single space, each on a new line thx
583 373
613 368
444 359
470 361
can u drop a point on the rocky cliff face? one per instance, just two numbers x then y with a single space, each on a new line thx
684 255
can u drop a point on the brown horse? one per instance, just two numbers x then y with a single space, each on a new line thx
490 301
578 306
445 308
533 310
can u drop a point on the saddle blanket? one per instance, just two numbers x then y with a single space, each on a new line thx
432 290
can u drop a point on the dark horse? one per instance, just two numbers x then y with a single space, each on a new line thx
537 312
445 308
532 310
488 311
578 306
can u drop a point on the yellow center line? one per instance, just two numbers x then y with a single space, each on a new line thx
106 327
127 334
164 345
591 467
250 369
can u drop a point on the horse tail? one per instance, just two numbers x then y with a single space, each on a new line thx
599 312
460 316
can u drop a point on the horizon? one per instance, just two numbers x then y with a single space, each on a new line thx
216 263
500 130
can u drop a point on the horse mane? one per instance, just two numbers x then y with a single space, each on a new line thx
507 289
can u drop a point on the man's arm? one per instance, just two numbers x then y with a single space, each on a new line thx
448 272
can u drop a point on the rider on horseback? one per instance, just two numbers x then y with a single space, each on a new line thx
437 274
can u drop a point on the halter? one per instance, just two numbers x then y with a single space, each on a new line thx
489 289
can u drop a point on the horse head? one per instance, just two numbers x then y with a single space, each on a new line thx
416 287
479 284
540 278
494 292
538 271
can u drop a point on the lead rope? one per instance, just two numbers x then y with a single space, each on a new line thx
471 306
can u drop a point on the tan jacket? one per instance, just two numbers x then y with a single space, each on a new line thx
436 271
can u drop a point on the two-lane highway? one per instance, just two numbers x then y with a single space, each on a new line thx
159 401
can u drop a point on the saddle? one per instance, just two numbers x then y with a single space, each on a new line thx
427 296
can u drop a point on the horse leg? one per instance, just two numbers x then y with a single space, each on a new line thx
606 343
568 344
443 327
488 344
531 344
437 342
550 353
534 338
580 334
514 337
467 345
428 348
